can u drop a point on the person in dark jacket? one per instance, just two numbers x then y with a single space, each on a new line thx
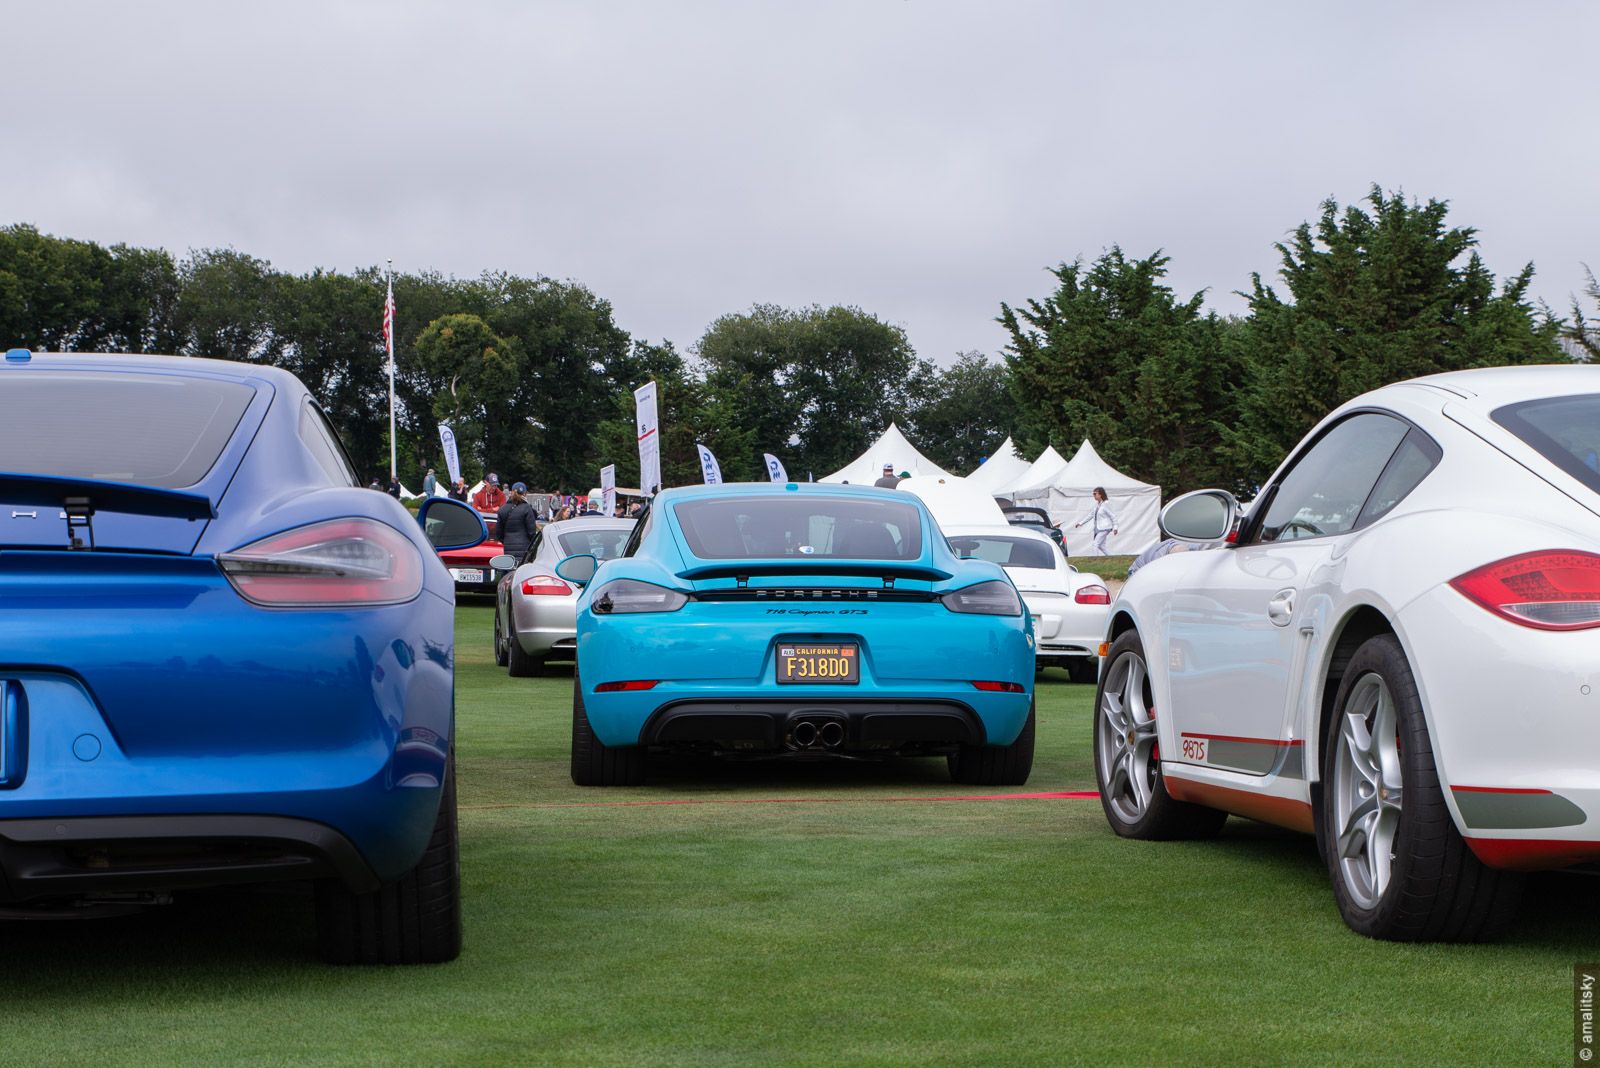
515 523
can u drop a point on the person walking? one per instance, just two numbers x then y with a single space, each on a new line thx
394 487
1102 521
515 523
430 482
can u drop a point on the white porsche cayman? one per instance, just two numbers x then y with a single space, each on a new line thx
1399 651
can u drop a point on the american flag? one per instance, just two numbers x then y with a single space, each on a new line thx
388 322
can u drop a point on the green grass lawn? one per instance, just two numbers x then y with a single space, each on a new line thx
1107 567
863 931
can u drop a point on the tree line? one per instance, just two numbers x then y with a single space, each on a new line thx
536 377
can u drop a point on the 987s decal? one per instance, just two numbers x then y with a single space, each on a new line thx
1254 756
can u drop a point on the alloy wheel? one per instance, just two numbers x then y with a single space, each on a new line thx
1367 793
1127 739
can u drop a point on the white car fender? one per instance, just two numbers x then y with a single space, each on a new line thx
1331 617
1145 606
1450 556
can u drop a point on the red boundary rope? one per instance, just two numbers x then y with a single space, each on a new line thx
1053 795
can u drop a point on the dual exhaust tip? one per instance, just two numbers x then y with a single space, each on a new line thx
815 734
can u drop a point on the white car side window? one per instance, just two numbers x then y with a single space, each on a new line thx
1323 492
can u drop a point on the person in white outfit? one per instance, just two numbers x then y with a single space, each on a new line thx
1102 521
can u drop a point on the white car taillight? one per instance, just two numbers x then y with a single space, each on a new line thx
1551 590
1092 595
337 562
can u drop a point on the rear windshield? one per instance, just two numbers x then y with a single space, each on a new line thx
605 544
762 528
1007 552
1566 430
148 430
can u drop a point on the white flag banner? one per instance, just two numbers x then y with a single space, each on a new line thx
608 490
452 458
775 469
644 404
709 466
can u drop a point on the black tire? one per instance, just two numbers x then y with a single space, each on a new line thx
1084 669
414 920
502 653
597 764
519 664
1438 890
1162 818
995 765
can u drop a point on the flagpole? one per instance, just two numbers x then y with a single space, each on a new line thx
394 468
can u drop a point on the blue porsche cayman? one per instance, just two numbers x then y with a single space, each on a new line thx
769 620
222 660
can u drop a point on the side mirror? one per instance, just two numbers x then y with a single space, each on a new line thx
1202 516
579 570
448 524
504 562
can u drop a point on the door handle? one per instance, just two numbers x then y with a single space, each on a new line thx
1281 608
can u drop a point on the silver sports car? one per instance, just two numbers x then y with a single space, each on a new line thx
533 609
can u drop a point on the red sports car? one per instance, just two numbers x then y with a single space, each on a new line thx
470 567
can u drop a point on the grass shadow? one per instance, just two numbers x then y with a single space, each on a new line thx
262 932
794 775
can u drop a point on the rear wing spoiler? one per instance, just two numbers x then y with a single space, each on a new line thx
89 495
1019 511
888 570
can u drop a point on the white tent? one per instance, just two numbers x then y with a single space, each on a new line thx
1068 497
1001 469
1041 471
955 502
891 448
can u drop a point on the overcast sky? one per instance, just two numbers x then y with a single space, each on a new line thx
923 160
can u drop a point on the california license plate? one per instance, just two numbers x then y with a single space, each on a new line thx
461 574
837 665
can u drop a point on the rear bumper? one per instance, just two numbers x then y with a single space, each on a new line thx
929 714
545 625
1514 722
869 725
1063 648
42 859
1064 628
146 688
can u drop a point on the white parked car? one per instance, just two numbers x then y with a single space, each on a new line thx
1400 653
535 613
1069 607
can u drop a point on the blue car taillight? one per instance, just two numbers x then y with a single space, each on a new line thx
631 595
337 562
994 598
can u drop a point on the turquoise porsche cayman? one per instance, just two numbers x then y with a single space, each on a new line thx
801 622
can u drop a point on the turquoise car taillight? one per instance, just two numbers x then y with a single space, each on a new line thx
994 598
631 595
